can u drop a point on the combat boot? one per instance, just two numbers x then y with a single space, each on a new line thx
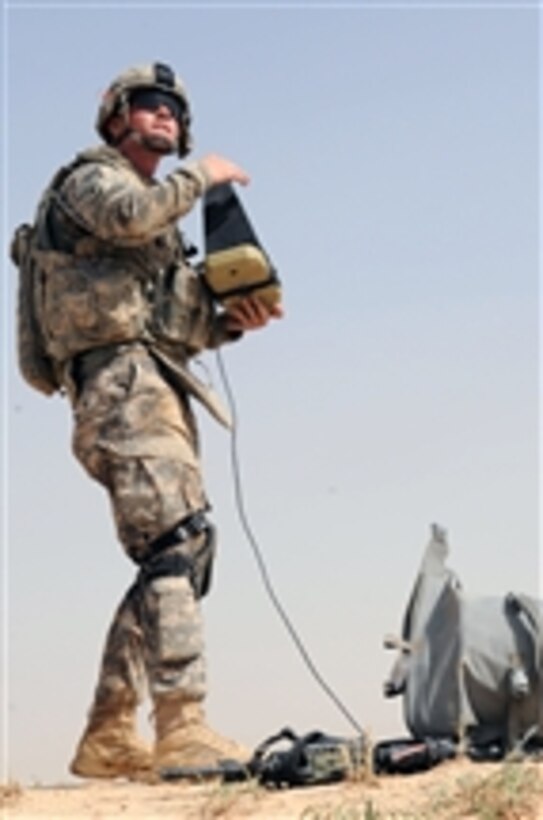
184 739
110 746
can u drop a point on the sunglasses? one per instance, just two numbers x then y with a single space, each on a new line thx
151 99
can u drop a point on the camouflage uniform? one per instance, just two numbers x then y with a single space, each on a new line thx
122 313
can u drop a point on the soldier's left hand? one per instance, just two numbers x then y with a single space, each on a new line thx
251 313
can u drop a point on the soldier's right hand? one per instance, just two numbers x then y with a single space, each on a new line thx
219 170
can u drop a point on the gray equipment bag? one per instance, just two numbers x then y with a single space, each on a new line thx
469 669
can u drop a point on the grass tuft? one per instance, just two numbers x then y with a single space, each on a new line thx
512 793
10 793
343 812
224 797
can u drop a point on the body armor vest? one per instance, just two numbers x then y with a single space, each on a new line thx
93 292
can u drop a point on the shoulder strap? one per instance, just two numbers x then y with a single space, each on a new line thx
102 154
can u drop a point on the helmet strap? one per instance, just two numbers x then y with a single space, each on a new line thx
123 111
116 141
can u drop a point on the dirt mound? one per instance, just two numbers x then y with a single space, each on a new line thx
457 789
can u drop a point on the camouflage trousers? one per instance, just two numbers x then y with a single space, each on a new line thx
155 643
136 435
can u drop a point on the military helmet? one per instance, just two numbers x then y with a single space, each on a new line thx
157 76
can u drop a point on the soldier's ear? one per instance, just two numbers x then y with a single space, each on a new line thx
116 129
115 126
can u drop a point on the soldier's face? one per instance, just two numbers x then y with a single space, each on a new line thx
158 128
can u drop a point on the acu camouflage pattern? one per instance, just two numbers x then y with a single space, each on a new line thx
116 100
113 262
115 279
137 436
35 364
122 314
155 641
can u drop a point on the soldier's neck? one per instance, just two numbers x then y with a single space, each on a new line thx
144 161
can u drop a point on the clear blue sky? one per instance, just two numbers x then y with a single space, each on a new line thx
394 161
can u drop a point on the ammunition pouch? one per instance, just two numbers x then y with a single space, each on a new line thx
188 549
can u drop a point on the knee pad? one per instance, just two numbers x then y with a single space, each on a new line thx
164 565
186 550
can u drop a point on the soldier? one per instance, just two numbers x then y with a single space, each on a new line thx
121 315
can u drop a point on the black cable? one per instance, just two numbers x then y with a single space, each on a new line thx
238 493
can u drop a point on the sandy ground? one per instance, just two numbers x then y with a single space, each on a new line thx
437 793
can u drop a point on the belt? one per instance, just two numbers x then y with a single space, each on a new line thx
87 364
